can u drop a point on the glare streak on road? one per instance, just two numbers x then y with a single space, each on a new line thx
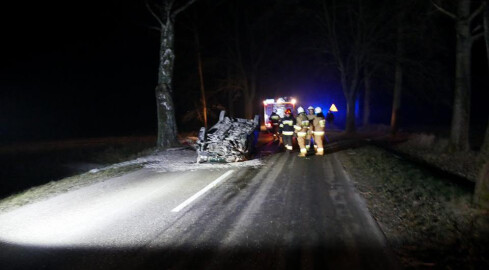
291 213
202 191
68 219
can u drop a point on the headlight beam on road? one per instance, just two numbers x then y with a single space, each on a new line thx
202 191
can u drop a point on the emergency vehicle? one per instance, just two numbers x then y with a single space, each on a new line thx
280 104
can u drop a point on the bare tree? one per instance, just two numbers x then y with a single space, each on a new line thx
201 76
396 102
367 74
486 28
349 32
484 153
251 36
165 13
369 71
465 36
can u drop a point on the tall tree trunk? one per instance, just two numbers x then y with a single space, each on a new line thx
201 77
459 135
230 91
349 91
482 186
231 103
167 126
484 153
350 115
486 29
481 194
396 102
250 96
366 98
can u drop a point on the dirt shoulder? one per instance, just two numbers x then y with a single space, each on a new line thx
429 221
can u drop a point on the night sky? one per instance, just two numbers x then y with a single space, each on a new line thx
76 70
89 68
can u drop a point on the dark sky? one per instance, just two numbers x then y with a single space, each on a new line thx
76 69
88 68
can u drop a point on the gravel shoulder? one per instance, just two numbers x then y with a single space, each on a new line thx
429 222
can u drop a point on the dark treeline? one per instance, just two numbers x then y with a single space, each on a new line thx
396 59
402 52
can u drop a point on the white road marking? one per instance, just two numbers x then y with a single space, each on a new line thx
202 191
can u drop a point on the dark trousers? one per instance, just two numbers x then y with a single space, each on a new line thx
275 131
287 141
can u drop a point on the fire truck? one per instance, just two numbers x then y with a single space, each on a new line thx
280 104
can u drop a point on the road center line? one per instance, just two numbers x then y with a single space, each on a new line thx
202 191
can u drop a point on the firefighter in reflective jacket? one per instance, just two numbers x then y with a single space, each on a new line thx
275 122
287 129
319 124
310 115
301 128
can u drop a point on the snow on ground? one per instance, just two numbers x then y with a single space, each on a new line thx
179 159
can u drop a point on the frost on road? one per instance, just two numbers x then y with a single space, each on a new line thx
284 211
75 218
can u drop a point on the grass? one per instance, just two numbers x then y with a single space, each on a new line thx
39 174
429 221
54 188
433 150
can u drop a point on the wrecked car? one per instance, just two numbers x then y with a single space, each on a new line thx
229 140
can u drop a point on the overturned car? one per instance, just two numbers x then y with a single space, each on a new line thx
229 140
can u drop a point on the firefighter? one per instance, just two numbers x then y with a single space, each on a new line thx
319 125
275 122
301 128
287 129
311 115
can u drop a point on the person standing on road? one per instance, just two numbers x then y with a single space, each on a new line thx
319 125
275 123
311 115
287 129
330 118
301 128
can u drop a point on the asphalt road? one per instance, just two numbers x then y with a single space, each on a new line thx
291 213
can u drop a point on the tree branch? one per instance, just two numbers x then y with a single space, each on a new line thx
477 28
153 14
159 29
182 8
476 37
444 11
478 11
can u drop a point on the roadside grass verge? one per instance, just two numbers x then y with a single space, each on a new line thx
433 150
39 172
54 188
429 222
50 181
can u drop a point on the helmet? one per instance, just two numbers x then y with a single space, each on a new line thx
318 110
288 111
300 110
310 108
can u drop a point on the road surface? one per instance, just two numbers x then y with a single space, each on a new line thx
290 213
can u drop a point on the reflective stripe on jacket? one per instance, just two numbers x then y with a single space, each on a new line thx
319 124
302 124
275 119
287 125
